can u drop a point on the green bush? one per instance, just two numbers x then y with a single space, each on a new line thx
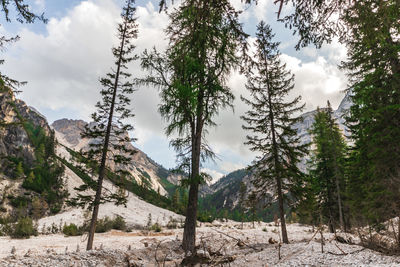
24 228
119 223
71 230
19 201
106 224
156 227
172 223
55 208
103 225
205 216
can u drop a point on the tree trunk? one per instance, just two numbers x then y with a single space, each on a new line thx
331 220
282 211
95 213
398 231
189 233
341 220
336 167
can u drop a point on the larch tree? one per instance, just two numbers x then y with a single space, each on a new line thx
204 40
108 132
271 119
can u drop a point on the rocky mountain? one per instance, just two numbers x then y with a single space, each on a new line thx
142 168
18 124
14 140
38 171
225 192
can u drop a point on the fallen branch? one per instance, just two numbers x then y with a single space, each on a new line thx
340 249
312 237
344 254
239 241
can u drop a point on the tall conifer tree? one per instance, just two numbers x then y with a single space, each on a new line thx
109 127
327 168
204 39
271 119
374 70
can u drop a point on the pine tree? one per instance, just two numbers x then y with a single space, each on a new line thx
176 200
271 119
374 69
242 194
308 207
370 29
31 177
251 203
109 129
204 40
19 170
327 167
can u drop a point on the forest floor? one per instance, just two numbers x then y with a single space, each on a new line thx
219 244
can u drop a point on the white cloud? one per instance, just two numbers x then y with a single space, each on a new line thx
228 167
40 4
213 173
261 9
63 66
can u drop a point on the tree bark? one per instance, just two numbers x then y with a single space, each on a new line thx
282 211
189 233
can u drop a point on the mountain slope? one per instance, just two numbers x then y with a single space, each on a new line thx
31 176
142 168
30 186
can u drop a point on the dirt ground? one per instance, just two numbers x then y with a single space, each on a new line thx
218 244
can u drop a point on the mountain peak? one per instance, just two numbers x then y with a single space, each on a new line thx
71 129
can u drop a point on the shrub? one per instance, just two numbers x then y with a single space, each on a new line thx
156 227
19 201
103 225
172 223
119 223
71 230
106 224
55 208
24 228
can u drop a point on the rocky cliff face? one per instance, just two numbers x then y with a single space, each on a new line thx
142 168
14 141
15 146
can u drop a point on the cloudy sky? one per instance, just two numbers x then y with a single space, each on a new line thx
63 60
